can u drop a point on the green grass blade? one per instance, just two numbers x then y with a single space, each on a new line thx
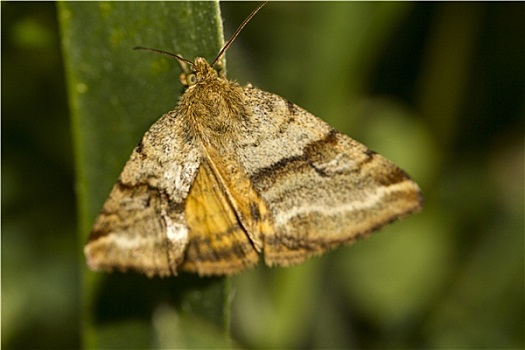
115 94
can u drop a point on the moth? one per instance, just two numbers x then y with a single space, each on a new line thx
234 172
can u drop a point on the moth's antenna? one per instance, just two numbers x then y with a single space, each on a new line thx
164 53
224 48
244 23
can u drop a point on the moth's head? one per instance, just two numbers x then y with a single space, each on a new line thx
201 70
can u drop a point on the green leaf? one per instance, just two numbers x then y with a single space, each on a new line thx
115 94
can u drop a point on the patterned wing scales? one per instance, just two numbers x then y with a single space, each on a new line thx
321 187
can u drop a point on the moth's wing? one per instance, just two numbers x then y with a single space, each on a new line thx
218 241
142 225
321 187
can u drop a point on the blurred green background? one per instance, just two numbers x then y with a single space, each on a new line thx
438 88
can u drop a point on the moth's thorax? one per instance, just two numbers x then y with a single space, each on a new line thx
213 106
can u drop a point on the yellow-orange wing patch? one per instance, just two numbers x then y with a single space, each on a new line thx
218 244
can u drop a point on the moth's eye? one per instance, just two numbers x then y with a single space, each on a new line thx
188 79
191 79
